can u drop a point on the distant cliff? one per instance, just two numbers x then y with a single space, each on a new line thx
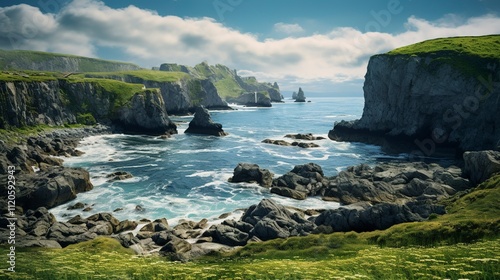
62 101
442 92
228 83
42 61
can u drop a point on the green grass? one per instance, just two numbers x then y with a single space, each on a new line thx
470 55
28 76
18 135
23 60
370 255
138 76
228 88
481 46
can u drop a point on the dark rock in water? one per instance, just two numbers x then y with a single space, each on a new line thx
307 136
78 205
276 142
252 99
50 188
300 96
479 166
202 124
252 173
305 145
118 176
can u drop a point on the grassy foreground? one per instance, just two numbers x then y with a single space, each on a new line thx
473 221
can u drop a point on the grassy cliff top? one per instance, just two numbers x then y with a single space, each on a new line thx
44 61
481 46
139 75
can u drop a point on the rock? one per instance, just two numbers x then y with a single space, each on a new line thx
42 243
156 226
305 145
271 220
289 193
252 173
409 97
227 235
176 249
105 217
307 136
276 142
253 99
300 96
75 206
126 239
479 166
125 225
119 176
146 113
67 234
50 188
202 124
303 180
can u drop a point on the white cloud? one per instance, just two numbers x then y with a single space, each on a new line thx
288 28
148 39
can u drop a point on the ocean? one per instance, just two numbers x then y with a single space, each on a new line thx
186 176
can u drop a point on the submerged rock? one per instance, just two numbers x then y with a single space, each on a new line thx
202 124
252 173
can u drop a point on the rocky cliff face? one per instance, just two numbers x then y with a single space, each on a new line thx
32 103
146 113
185 95
59 102
42 61
429 103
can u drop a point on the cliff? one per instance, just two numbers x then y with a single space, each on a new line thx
181 93
441 92
228 83
66 101
42 61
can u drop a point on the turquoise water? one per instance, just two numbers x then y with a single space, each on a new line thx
186 176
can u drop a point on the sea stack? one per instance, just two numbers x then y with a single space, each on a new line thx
300 96
202 124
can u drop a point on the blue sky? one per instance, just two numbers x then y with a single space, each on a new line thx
322 45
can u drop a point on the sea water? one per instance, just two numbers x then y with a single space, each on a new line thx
186 176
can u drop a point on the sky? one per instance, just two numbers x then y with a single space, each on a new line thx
322 46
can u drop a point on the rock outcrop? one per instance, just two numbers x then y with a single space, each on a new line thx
146 113
50 188
252 99
428 102
252 173
479 166
300 96
202 124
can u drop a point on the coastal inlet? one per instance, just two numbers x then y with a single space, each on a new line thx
186 176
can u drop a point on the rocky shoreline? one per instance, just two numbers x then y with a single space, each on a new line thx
372 197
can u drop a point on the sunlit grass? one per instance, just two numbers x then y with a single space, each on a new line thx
389 254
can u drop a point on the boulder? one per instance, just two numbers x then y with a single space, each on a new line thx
202 124
119 176
227 235
479 166
307 136
302 180
252 173
51 188
276 142
271 220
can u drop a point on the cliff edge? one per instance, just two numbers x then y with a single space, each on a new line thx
438 93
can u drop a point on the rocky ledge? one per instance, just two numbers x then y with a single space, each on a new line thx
202 123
